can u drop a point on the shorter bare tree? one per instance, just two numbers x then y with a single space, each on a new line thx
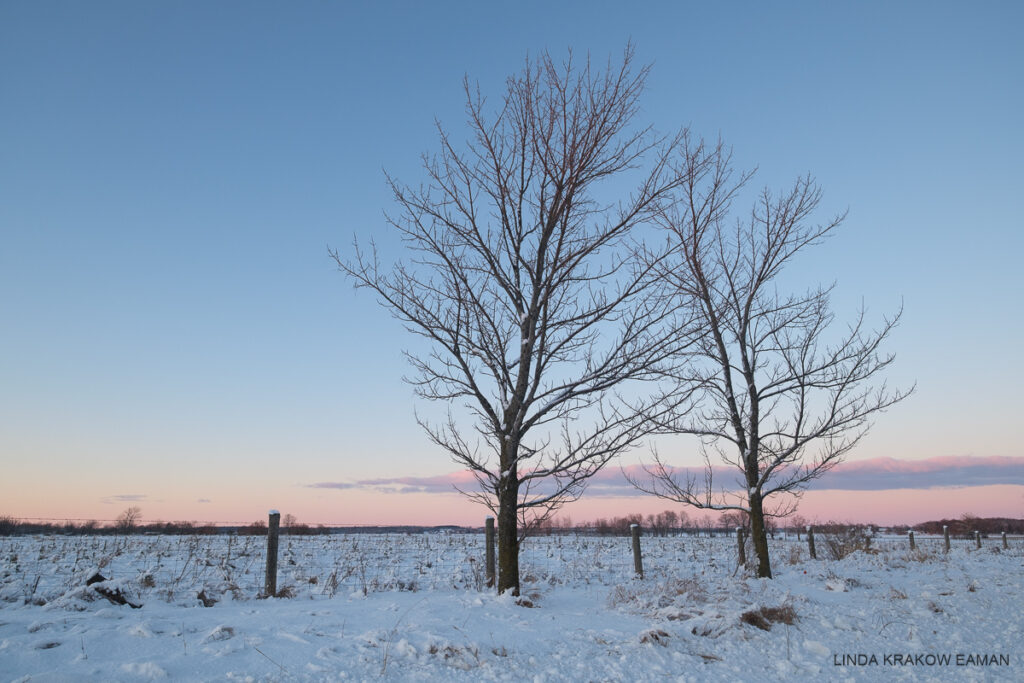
774 391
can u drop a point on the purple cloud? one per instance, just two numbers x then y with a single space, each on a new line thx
125 498
332 485
444 483
877 474
880 474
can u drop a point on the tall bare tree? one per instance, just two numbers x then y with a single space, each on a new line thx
774 389
523 278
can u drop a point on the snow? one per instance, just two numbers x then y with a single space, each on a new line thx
415 608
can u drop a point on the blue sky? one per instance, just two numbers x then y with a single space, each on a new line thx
172 174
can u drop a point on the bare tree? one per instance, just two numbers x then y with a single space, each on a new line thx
668 522
774 390
127 520
524 280
730 520
798 523
684 522
707 524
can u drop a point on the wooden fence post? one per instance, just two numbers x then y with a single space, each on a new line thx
489 550
273 525
910 535
739 545
638 560
945 536
977 538
810 542
1006 546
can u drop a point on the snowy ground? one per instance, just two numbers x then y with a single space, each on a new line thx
414 608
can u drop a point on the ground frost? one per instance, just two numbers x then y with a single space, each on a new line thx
408 607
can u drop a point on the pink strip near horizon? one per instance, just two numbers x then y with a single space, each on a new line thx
879 490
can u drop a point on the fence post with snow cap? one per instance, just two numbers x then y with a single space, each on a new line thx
977 538
273 526
489 550
638 560
810 542
739 546
1006 545
945 536
910 535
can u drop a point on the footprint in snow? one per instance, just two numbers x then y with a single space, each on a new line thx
39 626
219 633
292 637
330 653
148 670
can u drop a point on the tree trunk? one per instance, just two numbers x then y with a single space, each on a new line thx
508 536
759 537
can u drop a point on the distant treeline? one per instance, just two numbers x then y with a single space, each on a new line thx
968 524
670 523
10 526
667 523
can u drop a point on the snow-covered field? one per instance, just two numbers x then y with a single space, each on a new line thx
401 607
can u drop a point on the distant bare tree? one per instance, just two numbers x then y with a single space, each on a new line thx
774 391
127 520
798 523
523 279
730 520
684 521
705 523
668 522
